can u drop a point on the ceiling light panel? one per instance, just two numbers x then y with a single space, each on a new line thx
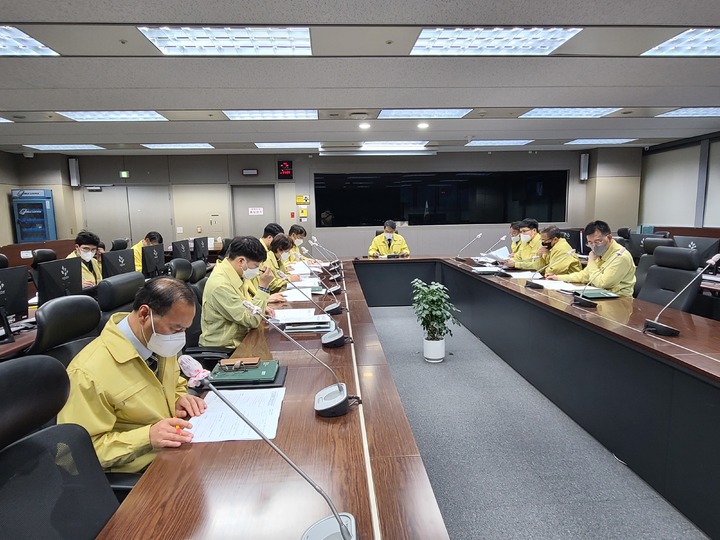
693 42
13 42
113 116
601 141
229 41
312 145
558 112
272 115
491 41
393 145
5 120
177 146
692 112
513 142
63 147
415 114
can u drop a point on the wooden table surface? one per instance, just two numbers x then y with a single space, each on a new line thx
366 461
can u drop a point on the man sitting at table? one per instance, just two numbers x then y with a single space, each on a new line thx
389 243
225 321
610 266
153 238
526 257
125 386
556 255
86 247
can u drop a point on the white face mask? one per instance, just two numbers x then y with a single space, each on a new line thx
388 236
525 238
285 255
515 238
298 242
87 256
165 344
249 273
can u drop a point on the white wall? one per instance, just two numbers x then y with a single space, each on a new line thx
712 201
8 182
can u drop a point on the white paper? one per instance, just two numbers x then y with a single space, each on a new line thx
299 269
293 295
300 315
497 255
554 285
219 423
485 269
307 282
525 275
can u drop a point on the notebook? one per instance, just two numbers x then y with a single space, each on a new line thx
266 371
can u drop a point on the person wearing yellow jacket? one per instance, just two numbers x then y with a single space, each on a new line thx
125 386
297 234
526 257
389 243
153 238
225 321
610 266
556 255
86 247
514 238
278 255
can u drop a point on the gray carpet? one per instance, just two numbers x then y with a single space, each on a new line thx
505 462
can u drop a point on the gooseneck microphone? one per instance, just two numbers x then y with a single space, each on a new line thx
321 530
330 401
502 239
458 257
531 284
320 246
333 309
584 302
663 329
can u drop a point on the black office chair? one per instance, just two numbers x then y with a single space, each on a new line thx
224 248
180 269
647 260
665 234
3 261
673 269
117 293
51 482
198 279
65 326
120 243
40 256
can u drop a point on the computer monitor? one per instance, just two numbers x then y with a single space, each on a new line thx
707 247
637 241
59 278
576 239
181 249
13 298
200 249
153 260
118 262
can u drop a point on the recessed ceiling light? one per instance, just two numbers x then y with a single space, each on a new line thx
415 114
177 146
569 112
307 114
491 41
63 147
691 112
601 141
423 125
113 116
288 145
393 145
3 120
364 125
229 41
693 42
499 142
14 42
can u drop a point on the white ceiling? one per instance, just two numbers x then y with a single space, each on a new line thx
353 69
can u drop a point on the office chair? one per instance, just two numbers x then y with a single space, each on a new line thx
51 482
117 293
40 256
180 269
623 236
120 243
65 326
3 261
224 248
673 269
647 260
198 279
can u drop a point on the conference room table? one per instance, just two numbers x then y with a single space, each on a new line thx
366 461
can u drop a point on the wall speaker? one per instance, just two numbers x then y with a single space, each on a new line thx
584 167
74 167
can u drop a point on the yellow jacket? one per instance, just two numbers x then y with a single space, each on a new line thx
137 252
558 261
398 245
225 321
277 284
514 246
619 276
296 255
116 397
525 253
95 276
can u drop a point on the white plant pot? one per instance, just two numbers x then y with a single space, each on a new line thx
434 351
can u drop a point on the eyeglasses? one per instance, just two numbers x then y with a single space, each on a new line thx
88 249
596 243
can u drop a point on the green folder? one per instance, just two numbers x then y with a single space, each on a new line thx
597 294
264 372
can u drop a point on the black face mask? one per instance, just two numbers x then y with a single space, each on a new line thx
547 245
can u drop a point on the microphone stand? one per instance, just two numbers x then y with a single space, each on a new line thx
502 239
320 246
531 284
461 259
333 309
664 329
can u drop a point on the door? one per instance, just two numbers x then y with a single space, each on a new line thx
106 213
253 208
150 210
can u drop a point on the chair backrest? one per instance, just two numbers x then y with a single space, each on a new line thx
180 269
624 232
192 334
199 270
64 326
120 243
3 261
117 293
223 250
643 265
650 244
673 269
40 256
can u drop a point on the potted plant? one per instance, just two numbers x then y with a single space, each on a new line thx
435 312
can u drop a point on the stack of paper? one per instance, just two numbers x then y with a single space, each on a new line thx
304 320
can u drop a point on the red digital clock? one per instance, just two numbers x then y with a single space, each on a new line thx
285 170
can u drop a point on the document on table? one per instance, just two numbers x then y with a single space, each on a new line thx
288 316
307 282
524 275
497 255
219 423
299 269
294 295
553 285
485 269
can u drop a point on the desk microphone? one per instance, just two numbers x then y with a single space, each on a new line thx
320 251
317 243
663 329
458 257
333 309
584 302
321 530
531 284
330 401
502 239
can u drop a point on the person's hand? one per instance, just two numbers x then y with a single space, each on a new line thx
543 250
276 298
294 277
170 433
375 254
188 405
87 283
265 277
592 257
270 312
405 255
551 277
510 263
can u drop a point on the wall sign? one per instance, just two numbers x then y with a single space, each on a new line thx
255 211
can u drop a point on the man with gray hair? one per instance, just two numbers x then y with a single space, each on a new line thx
390 243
